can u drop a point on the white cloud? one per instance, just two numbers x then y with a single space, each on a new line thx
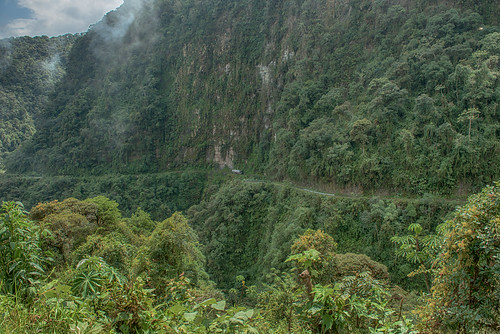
57 17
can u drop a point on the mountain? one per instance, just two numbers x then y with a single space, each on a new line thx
29 69
356 94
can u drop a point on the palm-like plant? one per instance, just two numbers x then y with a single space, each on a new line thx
92 274
21 256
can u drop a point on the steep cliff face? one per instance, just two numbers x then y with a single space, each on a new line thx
151 87
158 84
332 91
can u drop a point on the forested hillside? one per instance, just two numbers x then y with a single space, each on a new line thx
399 95
29 69
81 266
248 228
119 142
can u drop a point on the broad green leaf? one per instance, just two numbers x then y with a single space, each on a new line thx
327 321
236 320
314 310
37 266
50 294
207 302
219 306
63 289
244 315
177 309
190 316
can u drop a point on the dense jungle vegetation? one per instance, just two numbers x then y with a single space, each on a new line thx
119 142
29 69
79 266
400 95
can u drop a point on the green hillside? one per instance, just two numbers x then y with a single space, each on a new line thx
366 95
29 69
360 128
247 228
254 257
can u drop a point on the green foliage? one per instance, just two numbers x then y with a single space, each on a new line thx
357 304
173 249
69 205
127 305
17 124
70 223
54 310
349 264
363 95
418 249
373 141
22 259
88 280
210 316
158 194
129 308
141 222
314 251
29 69
465 291
353 304
281 302
114 251
69 231
306 259
358 96
248 228
317 240
107 212
117 287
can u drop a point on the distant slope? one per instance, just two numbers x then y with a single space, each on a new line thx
29 69
247 228
399 95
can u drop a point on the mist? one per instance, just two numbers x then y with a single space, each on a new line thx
52 68
121 38
5 54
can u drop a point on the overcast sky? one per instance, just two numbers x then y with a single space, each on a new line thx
51 17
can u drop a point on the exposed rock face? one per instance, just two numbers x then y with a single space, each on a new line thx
225 160
280 87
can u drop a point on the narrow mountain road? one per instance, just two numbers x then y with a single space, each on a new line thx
457 201
317 192
290 184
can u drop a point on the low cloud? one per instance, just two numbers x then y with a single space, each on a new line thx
58 17
5 52
117 25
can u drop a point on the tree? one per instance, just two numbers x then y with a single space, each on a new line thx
348 297
21 256
466 288
108 213
469 115
69 205
418 248
141 222
314 251
173 249
110 248
359 132
70 223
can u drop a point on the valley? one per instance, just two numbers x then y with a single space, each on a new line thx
367 133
